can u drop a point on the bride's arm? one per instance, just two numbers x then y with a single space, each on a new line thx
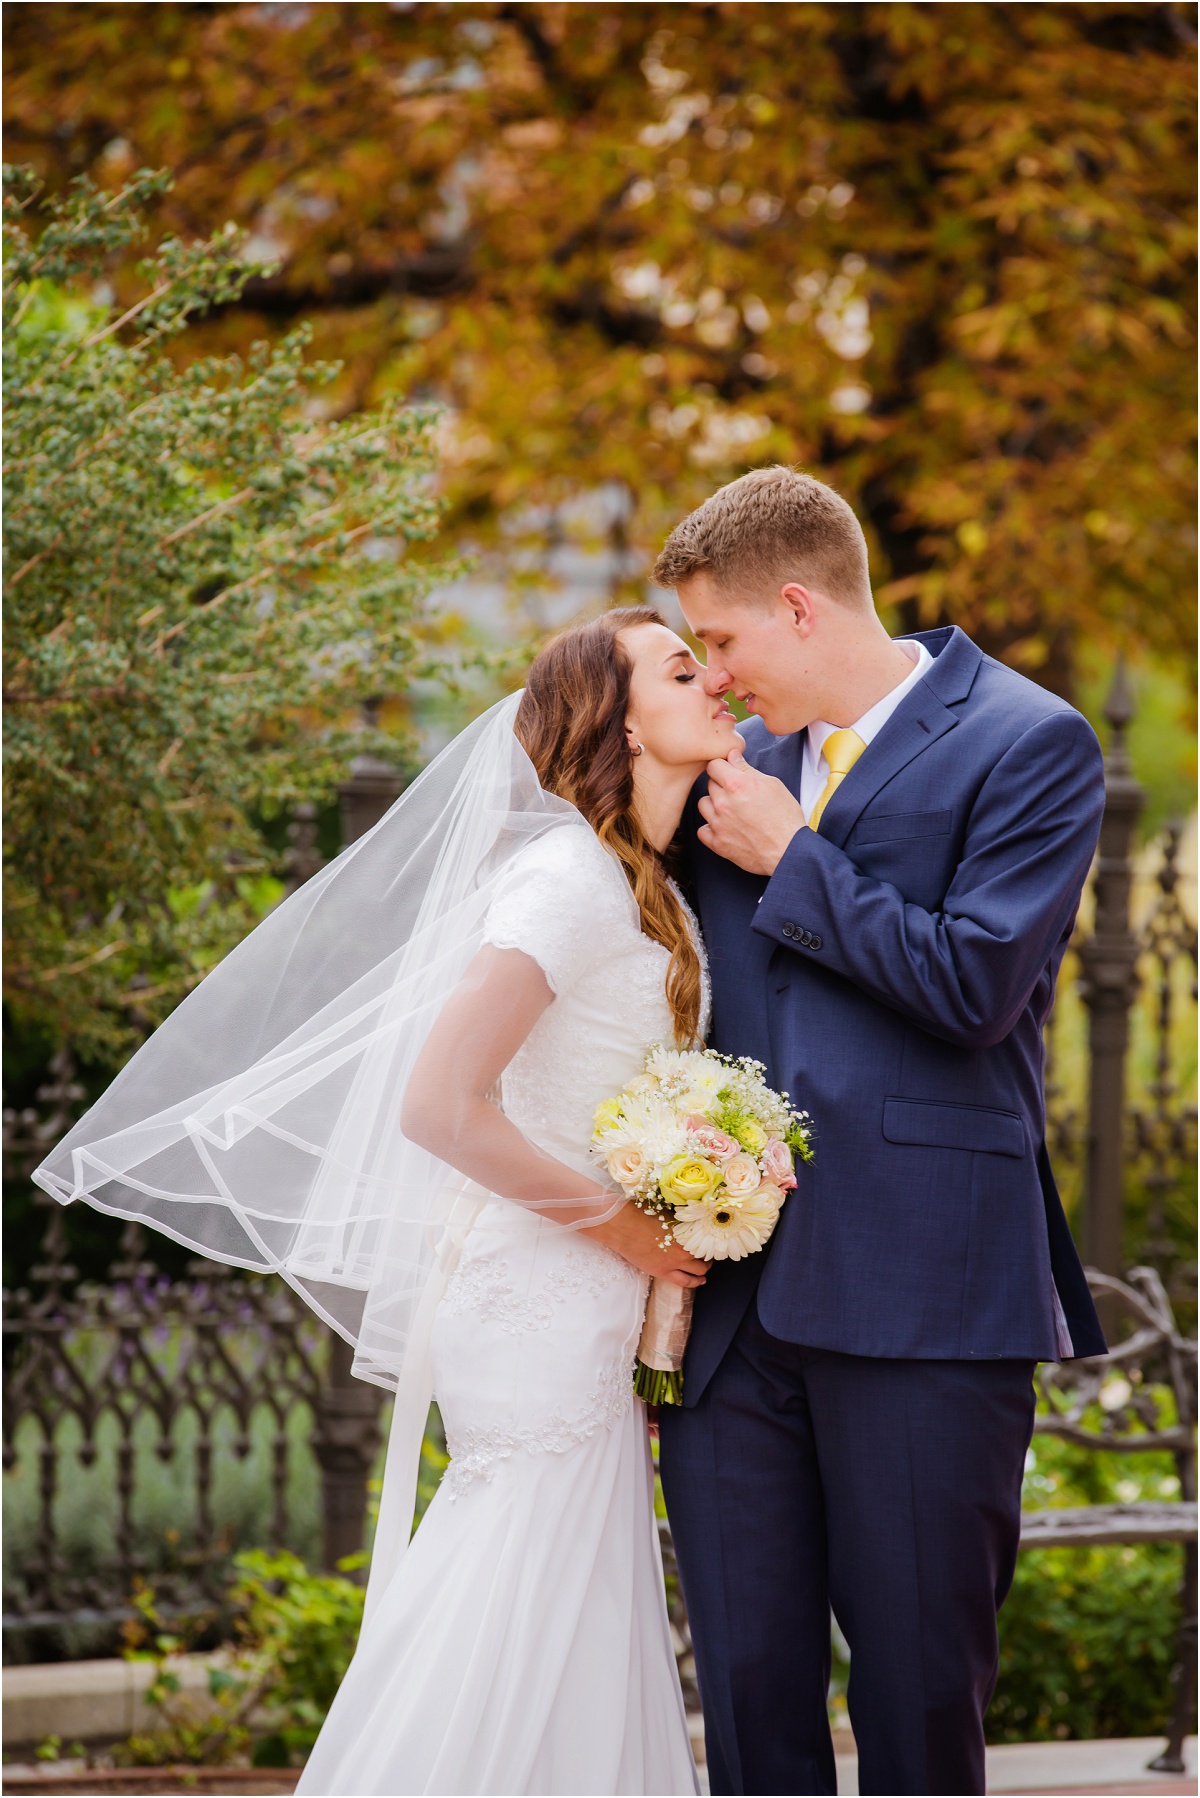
446 1105
447 1111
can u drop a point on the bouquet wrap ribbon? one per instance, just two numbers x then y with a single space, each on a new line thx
658 1377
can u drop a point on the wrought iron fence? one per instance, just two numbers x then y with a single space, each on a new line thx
136 1377
1120 1060
186 1381
167 1390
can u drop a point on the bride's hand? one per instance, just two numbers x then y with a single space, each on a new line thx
637 1237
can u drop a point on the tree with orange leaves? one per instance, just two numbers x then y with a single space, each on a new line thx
939 255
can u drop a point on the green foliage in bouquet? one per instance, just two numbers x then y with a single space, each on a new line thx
205 578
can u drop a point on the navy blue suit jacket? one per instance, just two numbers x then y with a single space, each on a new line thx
894 975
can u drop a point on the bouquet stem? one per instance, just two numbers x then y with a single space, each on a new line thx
656 1386
658 1376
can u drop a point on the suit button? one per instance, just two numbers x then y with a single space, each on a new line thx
789 930
814 942
805 939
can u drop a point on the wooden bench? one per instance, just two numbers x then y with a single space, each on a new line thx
1139 1398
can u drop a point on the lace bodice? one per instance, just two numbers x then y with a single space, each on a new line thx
567 903
535 1337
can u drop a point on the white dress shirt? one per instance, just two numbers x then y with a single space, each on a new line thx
814 771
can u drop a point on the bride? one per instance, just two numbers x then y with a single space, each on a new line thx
386 1094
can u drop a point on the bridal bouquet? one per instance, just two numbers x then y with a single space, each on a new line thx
702 1142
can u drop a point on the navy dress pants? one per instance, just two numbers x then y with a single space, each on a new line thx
887 1489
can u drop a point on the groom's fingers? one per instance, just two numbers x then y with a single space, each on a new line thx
749 817
729 773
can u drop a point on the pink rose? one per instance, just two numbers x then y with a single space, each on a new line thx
777 1164
741 1176
709 1140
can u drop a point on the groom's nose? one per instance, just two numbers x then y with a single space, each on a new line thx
716 679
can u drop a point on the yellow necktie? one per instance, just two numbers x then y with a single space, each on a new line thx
841 750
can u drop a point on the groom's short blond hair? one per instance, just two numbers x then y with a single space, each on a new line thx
770 527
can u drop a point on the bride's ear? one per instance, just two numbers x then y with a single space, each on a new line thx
635 748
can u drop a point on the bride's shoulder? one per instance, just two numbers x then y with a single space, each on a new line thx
565 900
574 856
570 867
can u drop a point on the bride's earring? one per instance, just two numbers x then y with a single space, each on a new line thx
636 748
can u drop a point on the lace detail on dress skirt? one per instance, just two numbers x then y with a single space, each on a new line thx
475 1453
485 1288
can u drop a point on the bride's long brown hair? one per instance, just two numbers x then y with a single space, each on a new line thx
571 722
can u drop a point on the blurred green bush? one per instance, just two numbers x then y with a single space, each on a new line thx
1087 1635
1087 1644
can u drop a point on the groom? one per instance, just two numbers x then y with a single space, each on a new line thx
887 883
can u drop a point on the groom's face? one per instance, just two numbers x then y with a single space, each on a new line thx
758 648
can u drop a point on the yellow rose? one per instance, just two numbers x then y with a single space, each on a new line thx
606 1116
689 1177
752 1136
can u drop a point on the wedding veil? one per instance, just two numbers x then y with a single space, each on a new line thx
260 1124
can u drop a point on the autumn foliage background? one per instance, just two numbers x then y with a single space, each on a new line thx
940 255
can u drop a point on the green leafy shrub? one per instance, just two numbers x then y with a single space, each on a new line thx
303 1627
207 580
209 1729
266 1695
1087 1635
1087 1644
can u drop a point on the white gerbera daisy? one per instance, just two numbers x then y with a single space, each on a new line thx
723 1228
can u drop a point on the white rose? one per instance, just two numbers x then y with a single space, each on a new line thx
742 1176
627 1165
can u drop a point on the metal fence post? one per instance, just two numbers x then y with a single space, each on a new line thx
1109 983
345 1442
346 1438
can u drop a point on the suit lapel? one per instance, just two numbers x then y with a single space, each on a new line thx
919 720
781 756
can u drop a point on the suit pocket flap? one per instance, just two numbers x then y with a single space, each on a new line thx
883 826
953 1126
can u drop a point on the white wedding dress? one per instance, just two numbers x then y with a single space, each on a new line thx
523 1645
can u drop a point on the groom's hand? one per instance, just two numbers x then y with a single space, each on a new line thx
750 818
637 1237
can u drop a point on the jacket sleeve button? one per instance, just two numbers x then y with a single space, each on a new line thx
814 942
789 930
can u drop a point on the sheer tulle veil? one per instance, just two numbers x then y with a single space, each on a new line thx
260 1124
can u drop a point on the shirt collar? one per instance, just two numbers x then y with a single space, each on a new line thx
872 722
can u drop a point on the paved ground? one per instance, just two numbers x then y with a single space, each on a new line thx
1039 1769
1035 1769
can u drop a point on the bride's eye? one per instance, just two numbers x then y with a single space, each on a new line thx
687 678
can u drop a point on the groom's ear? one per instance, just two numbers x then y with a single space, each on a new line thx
800 602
